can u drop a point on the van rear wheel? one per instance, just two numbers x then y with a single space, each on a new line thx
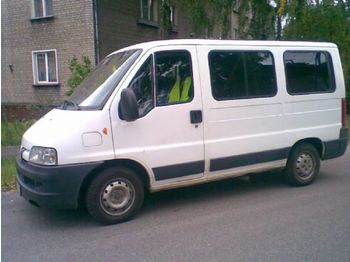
114 196
303 165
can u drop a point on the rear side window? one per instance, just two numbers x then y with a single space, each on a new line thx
242 74
308 72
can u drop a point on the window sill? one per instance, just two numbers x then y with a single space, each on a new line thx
148 23
42 18
47 85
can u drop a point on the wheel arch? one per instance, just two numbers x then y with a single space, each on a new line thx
135 166
314 141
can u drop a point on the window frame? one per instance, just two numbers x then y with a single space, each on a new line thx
174 16
245 73
45 10
330 68
36 71
148 20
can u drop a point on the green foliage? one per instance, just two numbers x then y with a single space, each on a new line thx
11 132
255 17
222 13
205 15
78 72
8 173
262 24
199 17
327 20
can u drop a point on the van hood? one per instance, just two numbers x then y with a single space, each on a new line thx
74 134
54 127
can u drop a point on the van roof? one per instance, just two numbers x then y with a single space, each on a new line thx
148 45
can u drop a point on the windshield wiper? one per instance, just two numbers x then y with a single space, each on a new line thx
69 105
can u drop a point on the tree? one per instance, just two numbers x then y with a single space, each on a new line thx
255 17
78 72
261 24
281 9
203 15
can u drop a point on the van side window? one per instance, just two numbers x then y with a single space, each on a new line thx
174 81
242 74
142 85
308 72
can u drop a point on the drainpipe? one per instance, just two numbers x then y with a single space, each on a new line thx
96 36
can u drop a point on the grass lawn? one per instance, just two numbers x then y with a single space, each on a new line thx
11 132
8 173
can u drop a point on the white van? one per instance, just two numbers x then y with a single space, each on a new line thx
175 113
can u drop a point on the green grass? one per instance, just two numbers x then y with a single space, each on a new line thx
8 173
11 132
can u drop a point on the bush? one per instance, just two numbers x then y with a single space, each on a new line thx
78 72
11 132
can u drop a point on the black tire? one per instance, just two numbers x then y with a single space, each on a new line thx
303 165
114 196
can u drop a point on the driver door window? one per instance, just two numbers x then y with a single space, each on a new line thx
173 78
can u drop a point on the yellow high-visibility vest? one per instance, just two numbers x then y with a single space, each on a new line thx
175 96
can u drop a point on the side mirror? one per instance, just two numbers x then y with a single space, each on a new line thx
128 108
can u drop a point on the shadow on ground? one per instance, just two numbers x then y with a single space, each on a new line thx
166 201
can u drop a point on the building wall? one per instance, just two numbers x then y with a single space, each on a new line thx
70 31
120 26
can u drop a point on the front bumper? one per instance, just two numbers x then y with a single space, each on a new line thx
52 186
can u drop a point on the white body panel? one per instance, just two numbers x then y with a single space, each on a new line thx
313 115
66 130
165 137
238 127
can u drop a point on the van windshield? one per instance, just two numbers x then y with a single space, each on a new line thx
96 88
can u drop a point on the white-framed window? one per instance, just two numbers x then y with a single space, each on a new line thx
45 67
173 15
41 8
149 10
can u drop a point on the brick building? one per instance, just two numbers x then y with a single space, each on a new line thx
40 36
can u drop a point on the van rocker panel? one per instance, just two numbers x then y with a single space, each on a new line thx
248 159
179 170
52 186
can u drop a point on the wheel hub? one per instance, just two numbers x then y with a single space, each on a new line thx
305 165
117 197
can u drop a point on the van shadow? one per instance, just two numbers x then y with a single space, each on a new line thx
170 200
218 189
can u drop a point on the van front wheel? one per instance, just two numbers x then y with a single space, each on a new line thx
303 165
114 196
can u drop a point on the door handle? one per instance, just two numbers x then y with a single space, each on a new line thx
196 116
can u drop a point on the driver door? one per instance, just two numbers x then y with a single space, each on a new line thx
168 136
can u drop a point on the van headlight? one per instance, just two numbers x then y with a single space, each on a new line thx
43 156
